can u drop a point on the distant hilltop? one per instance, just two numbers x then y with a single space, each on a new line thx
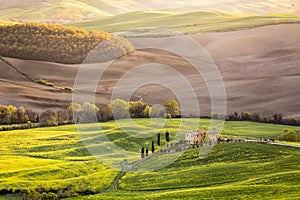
67 11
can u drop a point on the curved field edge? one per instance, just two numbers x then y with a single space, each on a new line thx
227 164
143 23
55 157
230 171
241 192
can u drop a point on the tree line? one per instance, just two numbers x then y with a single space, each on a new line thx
121 109
255 117
22 118
57 43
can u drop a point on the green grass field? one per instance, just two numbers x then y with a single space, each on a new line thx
145 22
230 171
55 157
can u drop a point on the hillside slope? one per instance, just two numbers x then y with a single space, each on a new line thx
56 43
260 69
145 22
55 157
64 11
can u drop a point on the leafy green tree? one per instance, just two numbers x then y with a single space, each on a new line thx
13 114
290 136
88 113
104 114
62 117
33 116
22 115
146 111
245 116
155 112
172 107
5 117
120 109
277 118
73 108
49 118
136 109
256 117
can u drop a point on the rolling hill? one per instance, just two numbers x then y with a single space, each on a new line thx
57 43
64 11
273 51
143 23
54 157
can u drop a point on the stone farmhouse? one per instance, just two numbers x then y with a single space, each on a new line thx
200 137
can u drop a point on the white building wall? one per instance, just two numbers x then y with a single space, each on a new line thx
189 137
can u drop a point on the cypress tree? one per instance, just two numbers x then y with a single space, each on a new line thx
152 147
167 136
147 152
158 139
142 153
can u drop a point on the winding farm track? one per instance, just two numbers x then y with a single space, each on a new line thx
115 184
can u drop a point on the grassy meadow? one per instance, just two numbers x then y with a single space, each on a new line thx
230 171
144 22
54 157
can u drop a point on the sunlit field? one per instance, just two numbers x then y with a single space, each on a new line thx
55 158
140 23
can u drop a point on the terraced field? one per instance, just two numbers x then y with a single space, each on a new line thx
55 158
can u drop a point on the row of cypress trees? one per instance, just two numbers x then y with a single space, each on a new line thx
145 151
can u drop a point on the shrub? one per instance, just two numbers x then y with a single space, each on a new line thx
245 116
172 107
290 136
48 196
46 83
136 109
68 89
168 116
155 112
49 118
104 114
28 194
146 111
120 109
